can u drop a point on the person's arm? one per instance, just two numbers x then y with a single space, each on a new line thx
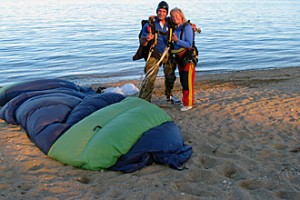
187 40
147 35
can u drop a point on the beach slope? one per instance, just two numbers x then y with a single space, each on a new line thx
245 134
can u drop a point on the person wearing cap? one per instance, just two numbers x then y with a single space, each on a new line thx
159 40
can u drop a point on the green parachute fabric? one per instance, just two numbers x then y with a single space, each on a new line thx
97 141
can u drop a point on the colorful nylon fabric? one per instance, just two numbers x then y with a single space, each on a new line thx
79 127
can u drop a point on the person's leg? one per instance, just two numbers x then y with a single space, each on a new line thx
147 86
187 78
170 77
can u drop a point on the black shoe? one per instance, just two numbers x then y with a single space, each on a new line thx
173 100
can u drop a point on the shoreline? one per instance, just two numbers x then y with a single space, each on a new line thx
247 78
244 130
92 79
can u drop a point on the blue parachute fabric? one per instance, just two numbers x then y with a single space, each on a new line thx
92 103
11 91
44 109
9 109
163 145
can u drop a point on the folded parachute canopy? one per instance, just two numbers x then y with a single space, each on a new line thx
79 127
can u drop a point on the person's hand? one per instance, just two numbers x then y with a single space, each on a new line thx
149 37
174 37
151 18
194 27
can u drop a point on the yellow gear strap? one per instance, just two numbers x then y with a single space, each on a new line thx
178 51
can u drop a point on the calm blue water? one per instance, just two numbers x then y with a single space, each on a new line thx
92 41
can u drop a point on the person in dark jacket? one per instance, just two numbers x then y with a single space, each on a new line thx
158 37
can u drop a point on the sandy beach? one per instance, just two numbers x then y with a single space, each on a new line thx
245 134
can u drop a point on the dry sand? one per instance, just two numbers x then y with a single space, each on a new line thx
243 130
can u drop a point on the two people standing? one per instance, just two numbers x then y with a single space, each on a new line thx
171 43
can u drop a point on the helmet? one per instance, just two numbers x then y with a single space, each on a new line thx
163 5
